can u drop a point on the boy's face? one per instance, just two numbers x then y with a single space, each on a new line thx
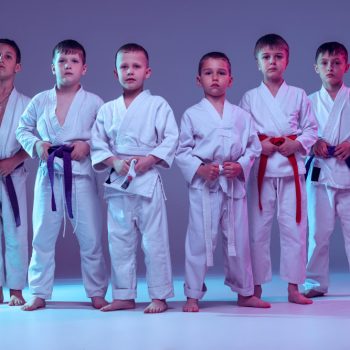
331 68
272 62
68 68
8 65
215 77
132 70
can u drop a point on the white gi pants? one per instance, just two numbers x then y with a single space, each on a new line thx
128 215
280 192
237 269
16 238
46 228
324 205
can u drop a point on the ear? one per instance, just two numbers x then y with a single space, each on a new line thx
53 69
148 72
18 67
287 58
258 64
115 72
316 69
198 79
231 81
84 69
347 67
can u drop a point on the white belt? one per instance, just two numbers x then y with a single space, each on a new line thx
207 223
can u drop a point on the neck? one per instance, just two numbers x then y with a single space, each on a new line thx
274 85
129 96
218 102
6 87
61 89
333 89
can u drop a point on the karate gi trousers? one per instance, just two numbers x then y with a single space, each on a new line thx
46 228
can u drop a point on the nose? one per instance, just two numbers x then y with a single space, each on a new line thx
329 66
129 71
67 65
0 56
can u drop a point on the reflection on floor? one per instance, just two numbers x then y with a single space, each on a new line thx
69 323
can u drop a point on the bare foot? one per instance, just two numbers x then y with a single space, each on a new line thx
16 298
34 304
118 304
156 306
191 305
294 296
258 291
1 296
98 302
252 301
312 293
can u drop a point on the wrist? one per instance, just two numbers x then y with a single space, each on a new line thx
200 168
118 165
300 147
153 159
109 161
37 145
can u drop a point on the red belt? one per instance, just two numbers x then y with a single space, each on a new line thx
292 160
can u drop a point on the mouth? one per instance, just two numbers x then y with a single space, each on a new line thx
130 80
214 85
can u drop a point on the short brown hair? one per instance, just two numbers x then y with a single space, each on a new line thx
332 48
271 40
12 44
215 55
70 46
132 47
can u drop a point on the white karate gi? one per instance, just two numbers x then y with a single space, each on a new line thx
39 122
330 195
217 206
146 127
16 238
288 113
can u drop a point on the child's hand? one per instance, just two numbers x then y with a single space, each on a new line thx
143 164
80 150
7 166
289 147
268 148
208 172
342 151
320 149
42 149
120 166
232 169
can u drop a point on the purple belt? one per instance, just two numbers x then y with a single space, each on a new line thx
331 150
63 152
13 197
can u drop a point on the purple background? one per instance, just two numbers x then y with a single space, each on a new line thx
176 34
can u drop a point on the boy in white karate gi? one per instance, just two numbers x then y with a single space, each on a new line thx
287 130
136 126
56 127
328 182
217 147
13 200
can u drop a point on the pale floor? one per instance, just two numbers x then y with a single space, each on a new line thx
69 323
